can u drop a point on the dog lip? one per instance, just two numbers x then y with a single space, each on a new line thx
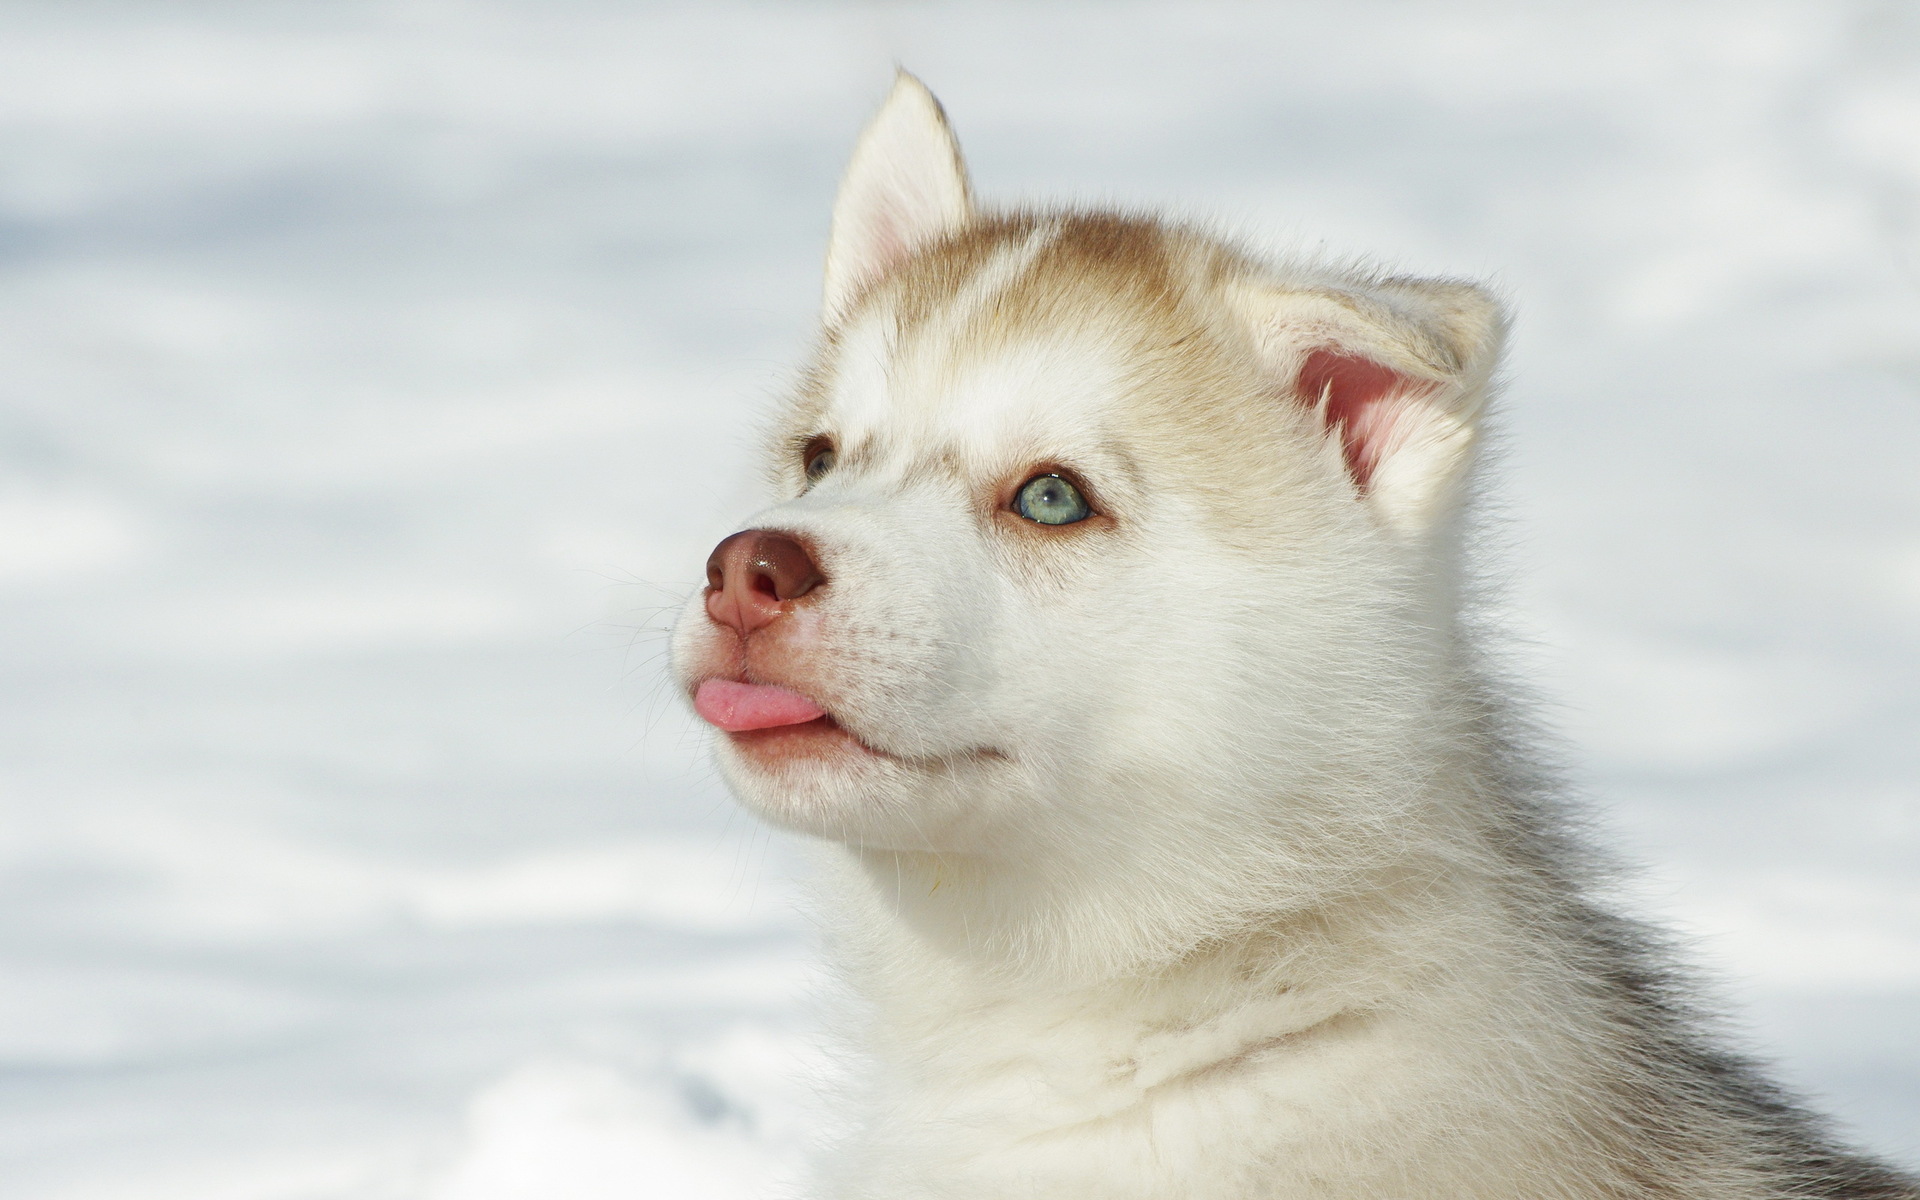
818 715
790 710
808 736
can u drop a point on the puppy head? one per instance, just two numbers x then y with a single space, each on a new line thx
1093 538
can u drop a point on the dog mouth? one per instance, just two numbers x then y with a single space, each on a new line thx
740 707
773 724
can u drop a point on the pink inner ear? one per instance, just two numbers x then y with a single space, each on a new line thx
1360 401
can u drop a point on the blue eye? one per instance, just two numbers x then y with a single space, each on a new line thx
1051 500
818 458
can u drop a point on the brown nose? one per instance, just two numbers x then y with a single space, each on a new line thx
751 574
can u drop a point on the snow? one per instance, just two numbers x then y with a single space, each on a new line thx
378 375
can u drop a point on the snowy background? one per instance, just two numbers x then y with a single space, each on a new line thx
373 375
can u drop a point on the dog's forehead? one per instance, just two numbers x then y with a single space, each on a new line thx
1024 340
975 397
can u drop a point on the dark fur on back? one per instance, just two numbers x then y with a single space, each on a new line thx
1685 1075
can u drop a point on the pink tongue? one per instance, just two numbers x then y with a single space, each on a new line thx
738 707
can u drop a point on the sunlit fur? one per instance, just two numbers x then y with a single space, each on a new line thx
1195 856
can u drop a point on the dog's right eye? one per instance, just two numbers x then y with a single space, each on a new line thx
817 459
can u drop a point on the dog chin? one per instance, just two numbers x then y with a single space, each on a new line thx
820 780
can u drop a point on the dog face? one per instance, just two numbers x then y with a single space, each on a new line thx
1076 508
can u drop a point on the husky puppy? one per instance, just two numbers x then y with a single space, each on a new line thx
1112 624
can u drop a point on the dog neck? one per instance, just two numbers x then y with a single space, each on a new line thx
969 1037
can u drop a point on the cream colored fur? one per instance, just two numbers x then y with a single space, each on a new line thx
1194 858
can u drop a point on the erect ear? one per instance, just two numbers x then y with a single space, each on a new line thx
1396 372
905 187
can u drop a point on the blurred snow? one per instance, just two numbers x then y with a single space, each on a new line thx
376 376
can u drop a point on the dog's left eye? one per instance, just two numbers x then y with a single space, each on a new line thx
1051 500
